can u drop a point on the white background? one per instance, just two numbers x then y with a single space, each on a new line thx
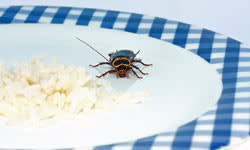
229 17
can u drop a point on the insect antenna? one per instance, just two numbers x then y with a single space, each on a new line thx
137 52
92 48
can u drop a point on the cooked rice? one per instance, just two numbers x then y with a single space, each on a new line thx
32 91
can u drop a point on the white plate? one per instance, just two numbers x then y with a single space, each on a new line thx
182 85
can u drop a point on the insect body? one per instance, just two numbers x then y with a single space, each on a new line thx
121 61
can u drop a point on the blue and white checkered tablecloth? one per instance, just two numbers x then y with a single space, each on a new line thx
228 120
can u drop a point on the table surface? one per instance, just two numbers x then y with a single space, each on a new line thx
228 17
173 10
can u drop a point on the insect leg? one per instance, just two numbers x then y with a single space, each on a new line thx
139 69
110 71
134 72
127 75
101 63
139 61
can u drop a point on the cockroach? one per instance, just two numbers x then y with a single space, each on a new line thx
122 61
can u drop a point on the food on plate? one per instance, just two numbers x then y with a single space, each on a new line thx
32 91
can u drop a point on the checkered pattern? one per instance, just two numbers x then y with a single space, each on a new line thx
227 121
